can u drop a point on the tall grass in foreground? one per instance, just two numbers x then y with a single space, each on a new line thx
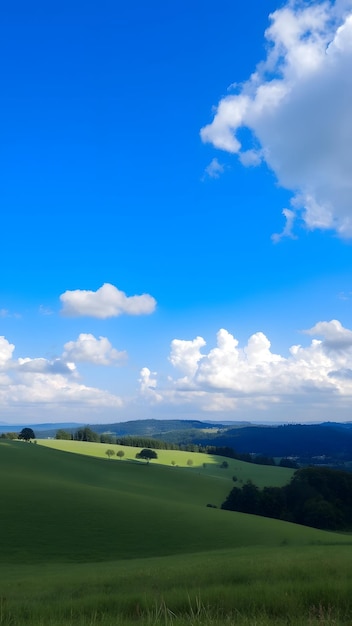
253 586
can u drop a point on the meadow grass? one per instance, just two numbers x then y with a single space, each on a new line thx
206 464
89 541
245 586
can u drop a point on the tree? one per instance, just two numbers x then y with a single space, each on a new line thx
189 462
63 434
26 434
9 436
120 454
86 434
109 453
107 438
147 454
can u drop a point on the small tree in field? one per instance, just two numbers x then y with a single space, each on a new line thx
109 453
120 454
189 462
147 454
26 434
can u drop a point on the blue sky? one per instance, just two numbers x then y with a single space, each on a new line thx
176 211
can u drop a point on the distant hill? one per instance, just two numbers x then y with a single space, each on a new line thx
290 440
152 427
147 427
50 427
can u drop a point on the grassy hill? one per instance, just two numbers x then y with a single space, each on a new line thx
206 464
84 508
89 540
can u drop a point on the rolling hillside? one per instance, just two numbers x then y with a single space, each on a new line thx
87 540
58 506
204 464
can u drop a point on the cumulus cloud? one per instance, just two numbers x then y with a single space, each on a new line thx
336 337
88 349
45 366
185 355
229 377
6 350
108 301
39 383
297 106
148 384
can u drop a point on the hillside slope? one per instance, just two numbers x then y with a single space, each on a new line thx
63 507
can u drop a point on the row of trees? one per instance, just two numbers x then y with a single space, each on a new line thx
318 497
109 453
26 434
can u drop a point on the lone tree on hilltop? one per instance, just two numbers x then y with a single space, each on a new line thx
26 434
109 453
147 454
120 454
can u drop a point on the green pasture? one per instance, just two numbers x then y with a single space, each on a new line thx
92 541
253 586
206 464
80 508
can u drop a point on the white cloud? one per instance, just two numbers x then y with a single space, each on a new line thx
214 169
148 384
45 366
287 230
108 301
297 106
6 350
88 349
233 378
37 384
336 337
185 355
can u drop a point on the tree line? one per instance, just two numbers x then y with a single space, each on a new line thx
26 434
316 496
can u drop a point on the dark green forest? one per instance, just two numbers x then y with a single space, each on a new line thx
316 496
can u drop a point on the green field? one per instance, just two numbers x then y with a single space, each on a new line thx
88 540
261 475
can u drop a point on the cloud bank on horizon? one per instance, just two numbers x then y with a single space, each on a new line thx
297 106
222 380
